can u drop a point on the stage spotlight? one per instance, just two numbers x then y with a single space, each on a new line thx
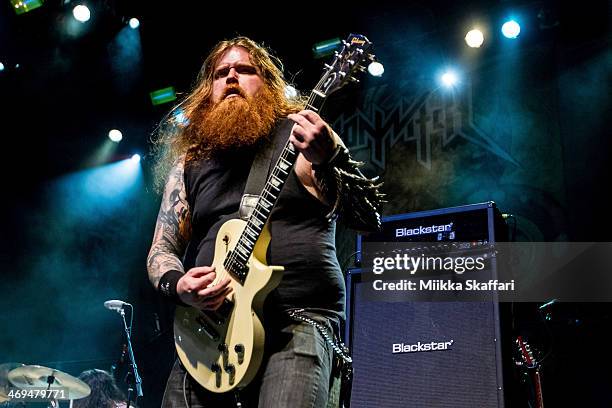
135 158
134 23
290 92
115 135
449 79
376 69
474 38
81 13
511 29
1 67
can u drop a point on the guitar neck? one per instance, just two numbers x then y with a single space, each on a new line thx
539 399
269 196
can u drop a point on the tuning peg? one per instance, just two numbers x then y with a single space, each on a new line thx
327 66
361 68
342 73
350 62
372 57
353 79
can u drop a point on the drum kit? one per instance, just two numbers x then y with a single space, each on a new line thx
24 385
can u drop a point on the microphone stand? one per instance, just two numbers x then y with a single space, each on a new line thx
137 378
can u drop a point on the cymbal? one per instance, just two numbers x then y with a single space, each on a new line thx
4 382
35 376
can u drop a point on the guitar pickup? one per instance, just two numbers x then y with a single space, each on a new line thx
235 267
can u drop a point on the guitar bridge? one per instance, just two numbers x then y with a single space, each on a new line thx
222 314
207 329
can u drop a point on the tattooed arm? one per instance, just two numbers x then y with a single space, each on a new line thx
173 228
172 233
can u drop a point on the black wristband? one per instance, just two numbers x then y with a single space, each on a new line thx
167 285
332 160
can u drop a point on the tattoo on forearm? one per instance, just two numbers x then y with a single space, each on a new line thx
173 228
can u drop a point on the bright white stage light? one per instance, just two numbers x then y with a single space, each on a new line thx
81 13
115 135
134 23
136 158
376 69
1 66
511 29
449 79
474 38
290 92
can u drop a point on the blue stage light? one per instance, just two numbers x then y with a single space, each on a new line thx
449 78
511 29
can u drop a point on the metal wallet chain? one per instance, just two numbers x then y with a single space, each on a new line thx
334 342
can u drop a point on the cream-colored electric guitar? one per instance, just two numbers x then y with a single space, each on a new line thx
222 350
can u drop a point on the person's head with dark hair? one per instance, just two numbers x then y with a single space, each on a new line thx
104 391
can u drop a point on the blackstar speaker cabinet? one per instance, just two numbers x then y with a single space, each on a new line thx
426 354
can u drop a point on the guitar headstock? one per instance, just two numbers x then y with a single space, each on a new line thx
347 64
525 353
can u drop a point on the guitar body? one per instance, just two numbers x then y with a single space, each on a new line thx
223 350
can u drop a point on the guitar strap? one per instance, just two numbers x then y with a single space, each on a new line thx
257 179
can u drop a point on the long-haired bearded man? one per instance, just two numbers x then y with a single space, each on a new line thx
237 109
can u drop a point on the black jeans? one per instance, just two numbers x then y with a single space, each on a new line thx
296 372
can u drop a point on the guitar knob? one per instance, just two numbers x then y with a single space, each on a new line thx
224 353
239 349
216 368
231 370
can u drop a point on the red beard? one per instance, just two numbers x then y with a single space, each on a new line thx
234 122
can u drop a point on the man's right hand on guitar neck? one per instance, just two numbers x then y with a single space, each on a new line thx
194 288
